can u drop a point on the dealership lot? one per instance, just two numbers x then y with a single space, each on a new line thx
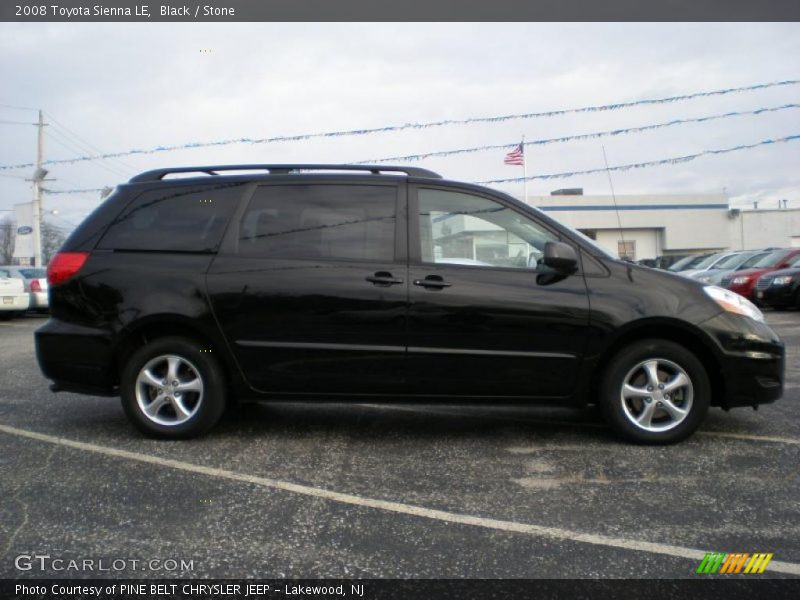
388 491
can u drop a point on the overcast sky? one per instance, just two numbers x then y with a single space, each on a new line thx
123 86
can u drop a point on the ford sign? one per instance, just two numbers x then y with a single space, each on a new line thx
24 230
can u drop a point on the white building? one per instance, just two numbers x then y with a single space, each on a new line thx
646 226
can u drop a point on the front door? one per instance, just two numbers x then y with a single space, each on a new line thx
311 288
486 317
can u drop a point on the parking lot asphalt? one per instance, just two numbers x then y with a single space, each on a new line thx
399 491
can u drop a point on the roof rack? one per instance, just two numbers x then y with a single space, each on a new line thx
158 174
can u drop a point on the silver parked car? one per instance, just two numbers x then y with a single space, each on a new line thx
34 280
14 300
734 262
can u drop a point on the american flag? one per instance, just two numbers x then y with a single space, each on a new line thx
516 156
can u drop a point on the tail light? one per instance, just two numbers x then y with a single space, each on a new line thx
64 265
36 286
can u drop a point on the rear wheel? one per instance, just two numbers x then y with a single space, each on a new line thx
655 392
170 389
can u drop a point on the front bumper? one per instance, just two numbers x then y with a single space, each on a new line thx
745 290
76 358
776 295
751 358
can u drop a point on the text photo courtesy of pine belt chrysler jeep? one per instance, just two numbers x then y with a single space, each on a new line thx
342 282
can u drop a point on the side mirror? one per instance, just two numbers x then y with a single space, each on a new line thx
561 257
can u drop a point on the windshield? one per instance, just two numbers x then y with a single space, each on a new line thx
795 262
703 264
753 260
731 261
33 273
770 260
677 266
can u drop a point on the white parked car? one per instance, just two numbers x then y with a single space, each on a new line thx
14 300
35 281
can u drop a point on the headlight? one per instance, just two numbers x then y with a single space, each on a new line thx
705 278
733 302
783 280
740 280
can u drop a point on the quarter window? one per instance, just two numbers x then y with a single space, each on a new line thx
348 222
462 229
177 219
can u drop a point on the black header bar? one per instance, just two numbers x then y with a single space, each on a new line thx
396 10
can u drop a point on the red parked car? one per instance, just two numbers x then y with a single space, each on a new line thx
743 282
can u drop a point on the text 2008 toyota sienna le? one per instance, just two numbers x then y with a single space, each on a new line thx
337 282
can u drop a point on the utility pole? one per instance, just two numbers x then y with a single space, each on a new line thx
38 180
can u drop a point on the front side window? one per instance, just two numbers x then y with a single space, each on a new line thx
336 222
463 229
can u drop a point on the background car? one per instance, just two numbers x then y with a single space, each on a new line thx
14 300
34 279
707 263
743 282
688 262
780 289
734 262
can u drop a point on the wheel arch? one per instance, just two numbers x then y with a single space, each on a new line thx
680 332
169 325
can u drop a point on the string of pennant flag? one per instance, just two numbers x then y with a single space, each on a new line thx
423 125
572 138
653 163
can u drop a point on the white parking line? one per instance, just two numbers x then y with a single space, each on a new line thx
722 434
389 506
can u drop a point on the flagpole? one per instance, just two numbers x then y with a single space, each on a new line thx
524 172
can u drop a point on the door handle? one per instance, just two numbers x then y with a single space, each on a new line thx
432 282
383 279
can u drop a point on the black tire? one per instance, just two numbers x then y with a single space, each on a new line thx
616 411
208 405
6 315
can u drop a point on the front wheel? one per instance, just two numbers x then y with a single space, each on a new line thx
170 389
655 392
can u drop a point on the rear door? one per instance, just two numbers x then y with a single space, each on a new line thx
486 317
311 287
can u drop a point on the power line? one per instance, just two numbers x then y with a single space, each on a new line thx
85 144
653 163
425 125
58 138
582 136
16 123
17 107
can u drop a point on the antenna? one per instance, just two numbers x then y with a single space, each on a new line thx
614 198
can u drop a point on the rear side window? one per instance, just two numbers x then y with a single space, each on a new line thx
176 219
348 222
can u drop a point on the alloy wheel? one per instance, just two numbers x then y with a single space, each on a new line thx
657 395
169 390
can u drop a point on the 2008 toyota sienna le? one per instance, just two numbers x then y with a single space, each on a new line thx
341 282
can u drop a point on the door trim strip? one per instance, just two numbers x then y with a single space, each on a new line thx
410 349
316 346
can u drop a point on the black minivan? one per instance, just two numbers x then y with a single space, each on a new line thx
192 287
